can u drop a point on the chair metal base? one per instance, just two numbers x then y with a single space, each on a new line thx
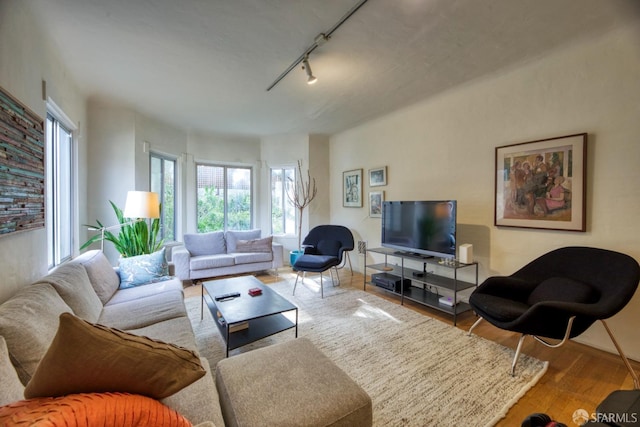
321 284
344 263
634 376
636 383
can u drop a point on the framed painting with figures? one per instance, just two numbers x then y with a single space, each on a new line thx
542 184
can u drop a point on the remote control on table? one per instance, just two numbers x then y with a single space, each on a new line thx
227 296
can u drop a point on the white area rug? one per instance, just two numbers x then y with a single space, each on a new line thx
418 371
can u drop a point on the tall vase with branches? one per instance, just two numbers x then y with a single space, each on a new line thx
300 193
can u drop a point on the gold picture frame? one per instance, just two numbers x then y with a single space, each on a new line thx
542 184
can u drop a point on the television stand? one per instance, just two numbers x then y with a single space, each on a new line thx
412 254
421 286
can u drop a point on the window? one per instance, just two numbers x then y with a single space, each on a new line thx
223 197
283 213
163 180
59 175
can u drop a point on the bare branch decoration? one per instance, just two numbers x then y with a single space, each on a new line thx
300 194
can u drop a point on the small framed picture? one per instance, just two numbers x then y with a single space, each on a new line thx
378 177
542 184
352 188
375 203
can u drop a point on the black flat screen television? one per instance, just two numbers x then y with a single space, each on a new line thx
420 227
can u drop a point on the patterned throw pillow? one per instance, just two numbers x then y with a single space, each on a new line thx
255 245
232 237
91 409
143 269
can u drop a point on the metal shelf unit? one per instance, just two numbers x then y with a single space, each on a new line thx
424 285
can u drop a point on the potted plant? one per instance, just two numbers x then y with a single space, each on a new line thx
133 238
300 194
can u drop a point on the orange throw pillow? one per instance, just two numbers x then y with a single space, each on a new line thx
91 410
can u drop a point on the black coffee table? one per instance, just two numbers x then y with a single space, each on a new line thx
263 314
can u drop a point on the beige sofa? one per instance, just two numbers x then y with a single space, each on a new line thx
88 288
219 253
291 383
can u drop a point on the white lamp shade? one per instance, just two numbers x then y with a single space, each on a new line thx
142 204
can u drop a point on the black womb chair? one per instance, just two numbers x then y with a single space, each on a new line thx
324 248
559 296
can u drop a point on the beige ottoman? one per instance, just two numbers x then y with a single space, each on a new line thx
289 384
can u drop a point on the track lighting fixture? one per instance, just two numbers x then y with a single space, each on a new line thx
311 79
319 40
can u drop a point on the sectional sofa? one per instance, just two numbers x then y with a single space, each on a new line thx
88 287
291 383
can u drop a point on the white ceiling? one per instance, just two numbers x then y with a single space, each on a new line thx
205 65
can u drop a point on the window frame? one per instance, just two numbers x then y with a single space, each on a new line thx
54 229
163 158
226 167
285 198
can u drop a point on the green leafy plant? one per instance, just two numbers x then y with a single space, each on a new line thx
133 238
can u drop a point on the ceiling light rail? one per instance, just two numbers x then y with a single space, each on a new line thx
318 41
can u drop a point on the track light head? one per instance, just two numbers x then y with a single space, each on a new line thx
311 79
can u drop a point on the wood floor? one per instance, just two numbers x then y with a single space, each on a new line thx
578 377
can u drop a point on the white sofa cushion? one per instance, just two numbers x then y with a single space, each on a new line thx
233 236
177 331
143 312
72 284
205 243
211 261
28 322
130 294
12 389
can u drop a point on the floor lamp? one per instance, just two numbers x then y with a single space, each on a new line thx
139 206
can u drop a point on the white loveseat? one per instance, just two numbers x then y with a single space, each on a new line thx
207 255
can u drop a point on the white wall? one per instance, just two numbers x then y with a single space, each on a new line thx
283 151
444 148
319 210
158 137
286 151
26 59
111 162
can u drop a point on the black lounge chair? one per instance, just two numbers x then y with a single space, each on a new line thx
324 248
559 296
